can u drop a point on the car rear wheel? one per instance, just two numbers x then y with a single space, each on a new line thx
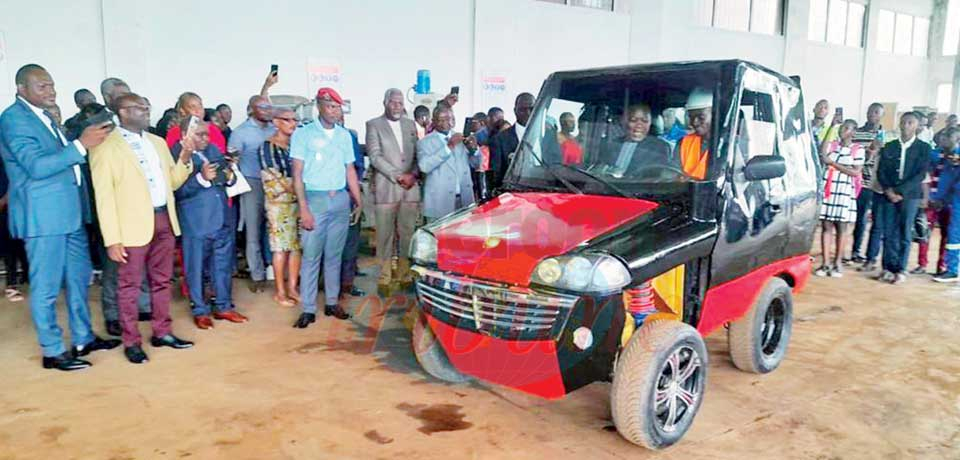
658 384
758 341
430 353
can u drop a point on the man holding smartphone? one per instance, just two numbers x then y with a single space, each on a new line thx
208 225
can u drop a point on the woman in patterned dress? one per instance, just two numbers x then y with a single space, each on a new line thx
844 162
281 206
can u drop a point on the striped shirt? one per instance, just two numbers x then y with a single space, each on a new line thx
864 135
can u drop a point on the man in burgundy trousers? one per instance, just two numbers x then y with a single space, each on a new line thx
134 176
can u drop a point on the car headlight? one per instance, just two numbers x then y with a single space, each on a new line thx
599 273
423 247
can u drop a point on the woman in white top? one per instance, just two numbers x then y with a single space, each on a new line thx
843 160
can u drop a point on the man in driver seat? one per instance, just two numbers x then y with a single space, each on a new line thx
637 150
694 148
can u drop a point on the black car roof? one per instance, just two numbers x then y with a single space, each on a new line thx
692 66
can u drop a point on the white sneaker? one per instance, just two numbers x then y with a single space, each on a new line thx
836 272
270 276
822 271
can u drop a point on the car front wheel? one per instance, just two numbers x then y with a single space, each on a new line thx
658 384
430 353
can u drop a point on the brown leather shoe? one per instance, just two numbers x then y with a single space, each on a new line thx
203 322
231 316
386 273
404 273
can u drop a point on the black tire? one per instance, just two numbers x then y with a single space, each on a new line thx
430 353
646 370
758 341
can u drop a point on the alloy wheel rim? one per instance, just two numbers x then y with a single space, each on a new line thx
678 388
772 329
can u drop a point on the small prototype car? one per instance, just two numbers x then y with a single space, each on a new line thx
620 238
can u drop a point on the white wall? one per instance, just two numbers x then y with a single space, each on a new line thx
67 41
537 38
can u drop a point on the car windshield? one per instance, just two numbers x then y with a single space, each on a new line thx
618 134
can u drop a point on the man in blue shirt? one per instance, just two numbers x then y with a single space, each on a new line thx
348 267
246 141
323 158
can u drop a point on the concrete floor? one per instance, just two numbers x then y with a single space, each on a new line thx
872 372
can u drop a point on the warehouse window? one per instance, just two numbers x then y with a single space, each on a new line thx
838 22
902 34
598 4
951 36
757 16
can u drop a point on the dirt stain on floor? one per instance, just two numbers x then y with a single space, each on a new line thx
52 434
376 437
436 417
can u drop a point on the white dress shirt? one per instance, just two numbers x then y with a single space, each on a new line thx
150 164
48 122
397 132
904 146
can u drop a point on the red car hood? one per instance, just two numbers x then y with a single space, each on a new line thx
505 238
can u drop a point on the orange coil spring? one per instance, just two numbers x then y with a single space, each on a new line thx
639 300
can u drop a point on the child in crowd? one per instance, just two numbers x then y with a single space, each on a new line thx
844 161
947 198
946 142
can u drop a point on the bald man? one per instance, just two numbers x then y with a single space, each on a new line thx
246 141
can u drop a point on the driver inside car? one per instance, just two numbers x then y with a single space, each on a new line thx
694 148
637 150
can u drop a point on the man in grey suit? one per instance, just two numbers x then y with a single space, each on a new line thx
391 145
447 158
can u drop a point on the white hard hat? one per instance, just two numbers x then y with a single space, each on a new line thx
699 98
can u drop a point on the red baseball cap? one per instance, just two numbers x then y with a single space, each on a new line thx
329 94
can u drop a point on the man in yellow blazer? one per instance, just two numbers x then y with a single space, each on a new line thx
134 176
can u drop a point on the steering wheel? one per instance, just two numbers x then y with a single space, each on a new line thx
657 170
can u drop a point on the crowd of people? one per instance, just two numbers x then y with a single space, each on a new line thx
107 192
107 195
895 191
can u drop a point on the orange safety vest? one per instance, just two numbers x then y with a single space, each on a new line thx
694 160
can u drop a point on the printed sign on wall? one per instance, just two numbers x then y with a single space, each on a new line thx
324 72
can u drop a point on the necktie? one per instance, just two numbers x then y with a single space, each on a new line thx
59 135
54 127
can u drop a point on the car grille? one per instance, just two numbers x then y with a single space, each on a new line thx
493 310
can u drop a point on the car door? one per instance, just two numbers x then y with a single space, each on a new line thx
754 228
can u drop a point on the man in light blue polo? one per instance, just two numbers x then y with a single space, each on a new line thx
246 140
323 159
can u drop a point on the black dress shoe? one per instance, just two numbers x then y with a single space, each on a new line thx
145 316
335 311
135 354
171 341
65 362
96 344
114 329
305 320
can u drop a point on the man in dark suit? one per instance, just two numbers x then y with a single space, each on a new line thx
503 144
47 211
901 170
209 225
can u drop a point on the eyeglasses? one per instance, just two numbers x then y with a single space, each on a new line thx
290 119
264 106
136 106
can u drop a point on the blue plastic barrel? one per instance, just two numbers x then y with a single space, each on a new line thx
423 81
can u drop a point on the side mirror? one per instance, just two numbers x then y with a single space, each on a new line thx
763 167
